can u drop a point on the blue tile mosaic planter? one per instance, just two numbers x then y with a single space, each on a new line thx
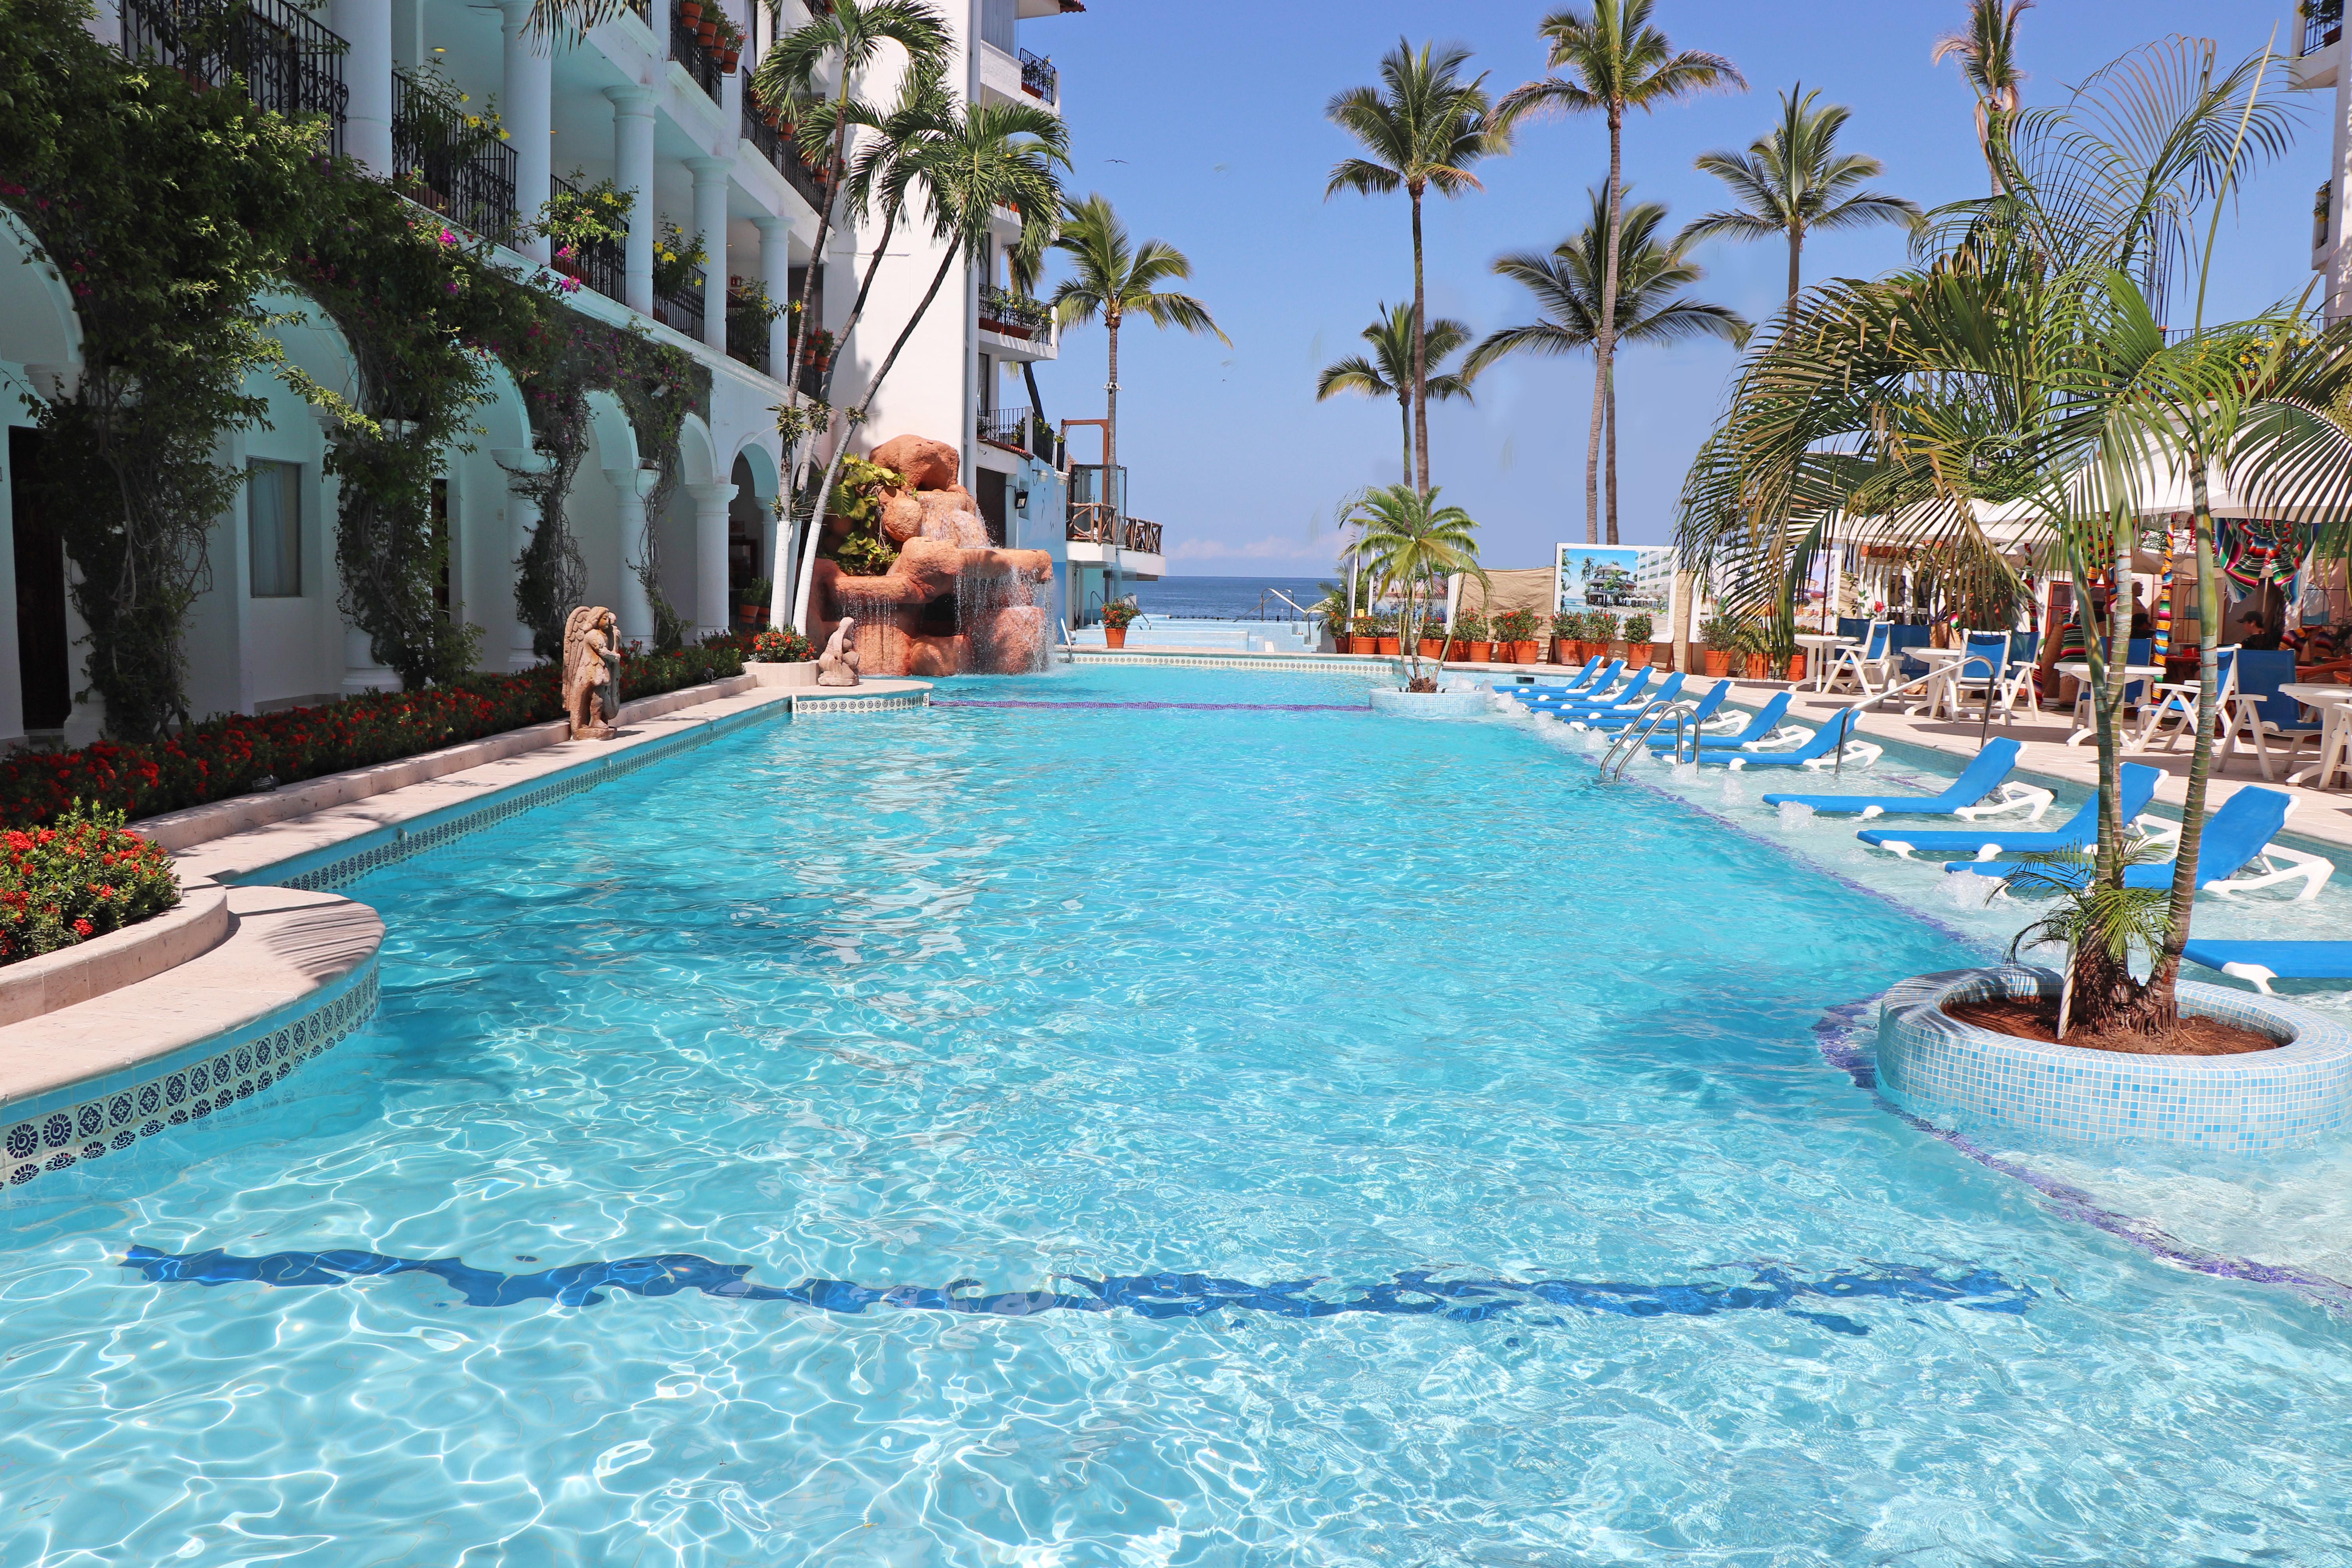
1939 1067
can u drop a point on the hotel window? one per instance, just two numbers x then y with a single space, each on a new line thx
273 521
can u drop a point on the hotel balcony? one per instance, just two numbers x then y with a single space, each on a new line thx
2322 54
463 172
289 64
1139 553
1013 327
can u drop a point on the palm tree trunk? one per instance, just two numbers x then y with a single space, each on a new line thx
1404 414
2103 990
841 448
837 165
1796 249
1420 358
1611 433
1113 492
1605 343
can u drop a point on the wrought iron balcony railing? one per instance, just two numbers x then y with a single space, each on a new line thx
2323 24
686 47
2319 221
784 152
1039 78
601 263
291 64
462 171
1013 315
1006 428
682 308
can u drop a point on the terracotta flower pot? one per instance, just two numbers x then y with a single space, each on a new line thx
1477 652
1527 651
752 615
1796 667
1718 663
1115 637
1389 645
1758 668
1563 652
691 12
1433 647
708 32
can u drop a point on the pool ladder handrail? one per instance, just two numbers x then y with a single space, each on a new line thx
1646 723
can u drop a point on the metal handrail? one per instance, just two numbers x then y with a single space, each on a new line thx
1040 80
463 174
1645 724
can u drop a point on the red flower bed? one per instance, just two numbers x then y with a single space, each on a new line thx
229 754
81 878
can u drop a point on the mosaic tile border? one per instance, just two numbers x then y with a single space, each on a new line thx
1226 661
183 1088
1932 1063
897 702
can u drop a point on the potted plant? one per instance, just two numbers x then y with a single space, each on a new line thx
1117 617
729 47
1470 636
1384 630
1364 634
1433 638
1516 630
1720 635
689 12
757 594
1755 658
1640 649
1566 626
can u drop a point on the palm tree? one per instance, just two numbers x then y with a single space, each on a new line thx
2023 366
1567 285
1388 372
1113 278
1413 541
845 37
1620 62
1793 180
976 158
1987 50
1420 129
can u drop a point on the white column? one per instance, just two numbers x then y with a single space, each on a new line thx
366 26
633 165
521 465
776 276
636 607
2337 280
711 222
527 108
710 554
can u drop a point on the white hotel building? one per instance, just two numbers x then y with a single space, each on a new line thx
640 101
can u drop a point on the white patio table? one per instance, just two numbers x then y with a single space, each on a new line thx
2335 706
1818 646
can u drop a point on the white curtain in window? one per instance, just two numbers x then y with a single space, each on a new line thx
273 526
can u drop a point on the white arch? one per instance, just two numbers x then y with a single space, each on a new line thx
761 464
39 326
697 459
616 437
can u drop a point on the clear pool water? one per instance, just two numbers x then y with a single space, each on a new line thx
1174 1031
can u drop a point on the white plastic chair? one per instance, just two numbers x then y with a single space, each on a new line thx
1863 661
2178 699
1985 670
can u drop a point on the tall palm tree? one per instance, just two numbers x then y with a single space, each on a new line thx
1619 62
976 158
1412 542
1113 278
1567 286
1421 130
1792 181
1987 50
844 38
1388 372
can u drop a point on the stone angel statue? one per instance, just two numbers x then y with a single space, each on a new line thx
591 672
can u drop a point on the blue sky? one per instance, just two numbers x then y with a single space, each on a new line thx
1203 122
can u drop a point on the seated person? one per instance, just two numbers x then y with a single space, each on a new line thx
2254 634
2143 624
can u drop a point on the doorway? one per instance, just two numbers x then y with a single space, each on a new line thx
44 655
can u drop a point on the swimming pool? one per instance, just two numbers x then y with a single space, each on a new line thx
1365 1143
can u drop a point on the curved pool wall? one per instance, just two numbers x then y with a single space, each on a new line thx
1932 1063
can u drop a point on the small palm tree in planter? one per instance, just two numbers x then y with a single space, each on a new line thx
1414 542
1117 617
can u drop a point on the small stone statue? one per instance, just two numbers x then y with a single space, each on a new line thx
837 665
591 672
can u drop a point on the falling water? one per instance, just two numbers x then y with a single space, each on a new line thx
1004 621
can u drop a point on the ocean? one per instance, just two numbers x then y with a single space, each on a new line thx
1226 598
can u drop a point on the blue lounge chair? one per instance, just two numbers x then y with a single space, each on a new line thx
2263 962
1623 713
1576 706
1759 728
1987 773
2080 832
1576 682
2237 839
1557 693
1820 750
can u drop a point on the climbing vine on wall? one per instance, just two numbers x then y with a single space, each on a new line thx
170 213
